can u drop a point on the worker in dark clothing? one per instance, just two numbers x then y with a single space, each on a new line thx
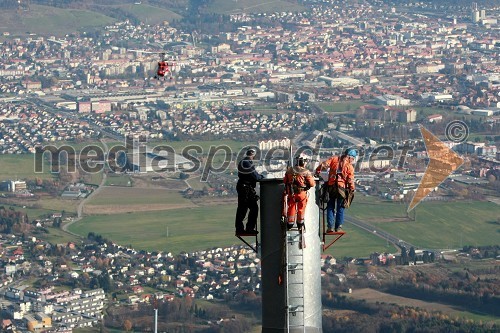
247 197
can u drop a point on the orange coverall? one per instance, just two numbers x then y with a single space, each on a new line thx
297 181
346 177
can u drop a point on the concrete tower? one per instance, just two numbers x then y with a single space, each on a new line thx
295 304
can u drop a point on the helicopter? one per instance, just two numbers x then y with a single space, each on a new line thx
163 68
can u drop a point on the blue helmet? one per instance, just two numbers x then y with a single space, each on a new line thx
351 152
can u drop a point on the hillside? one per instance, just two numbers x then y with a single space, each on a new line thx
142 12
251 6
45 20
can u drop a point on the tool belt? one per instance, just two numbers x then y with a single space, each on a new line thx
299 189
336 191
246 192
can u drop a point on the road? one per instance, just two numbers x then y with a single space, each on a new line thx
379 232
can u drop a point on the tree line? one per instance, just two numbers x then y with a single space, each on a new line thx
12 221
388 318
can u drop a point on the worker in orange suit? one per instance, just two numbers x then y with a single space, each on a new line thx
340 184
297 181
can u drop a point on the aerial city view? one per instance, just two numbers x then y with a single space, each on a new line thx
227 166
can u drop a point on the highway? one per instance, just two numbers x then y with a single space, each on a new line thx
378 232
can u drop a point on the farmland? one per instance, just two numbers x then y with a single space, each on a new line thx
174 230
111 200
437 225
22 166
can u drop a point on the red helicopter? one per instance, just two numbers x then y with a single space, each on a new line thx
163 68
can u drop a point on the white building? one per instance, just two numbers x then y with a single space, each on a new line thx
392 100
340 81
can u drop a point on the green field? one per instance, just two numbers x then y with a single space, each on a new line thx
118 180
196 184
200 228
33 213
21 166
50 20
437 225
357 243
252 6
124 196
340 107
57 236
188 230
59 205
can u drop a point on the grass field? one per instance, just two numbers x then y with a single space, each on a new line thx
196 183
200 228
50 20
252 6
357 243
118 180
136 196
33 213
437 225
57 236
340 107
21 166
174 230
58 205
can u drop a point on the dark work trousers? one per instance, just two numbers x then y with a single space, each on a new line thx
247 200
